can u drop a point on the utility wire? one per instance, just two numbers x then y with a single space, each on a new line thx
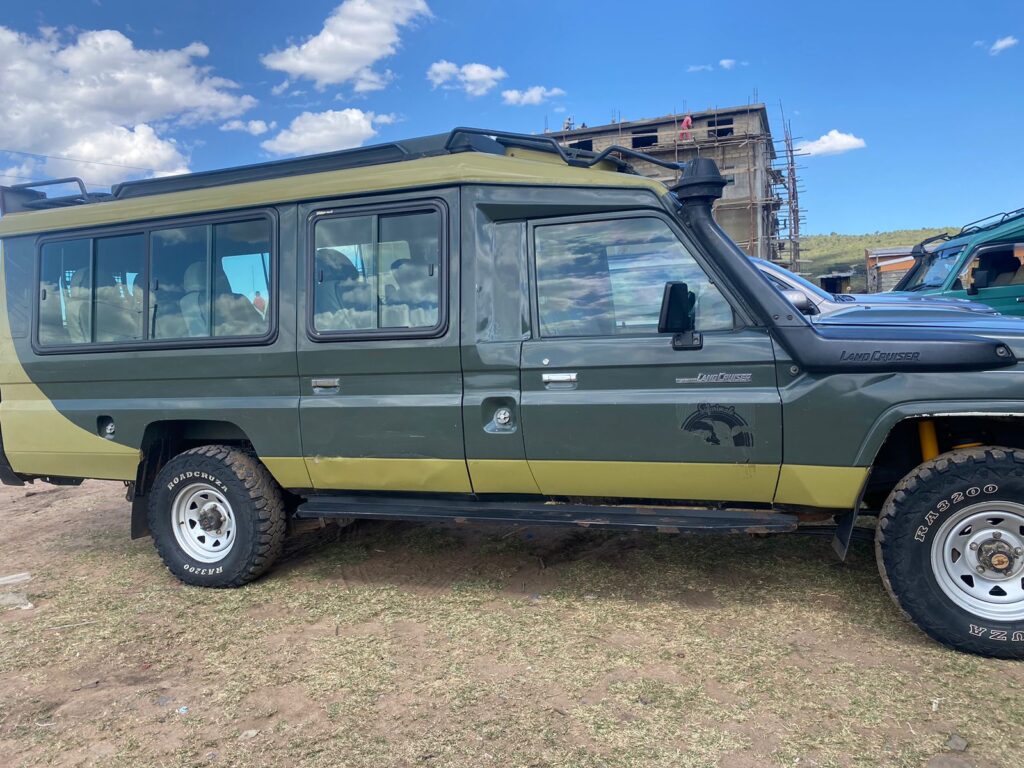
76 160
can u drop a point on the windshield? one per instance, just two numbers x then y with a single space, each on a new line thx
787 278
934 269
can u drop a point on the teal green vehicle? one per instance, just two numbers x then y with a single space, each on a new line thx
482 326
984 262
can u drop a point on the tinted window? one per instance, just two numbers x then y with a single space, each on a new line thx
377 272
117 301
205 281
602 278
65 293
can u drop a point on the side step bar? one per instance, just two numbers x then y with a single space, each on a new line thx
663 519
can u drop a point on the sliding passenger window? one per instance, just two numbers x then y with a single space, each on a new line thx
379 272
210 281
607 278
65 293
117 300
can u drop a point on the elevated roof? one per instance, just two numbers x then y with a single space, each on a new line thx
463 156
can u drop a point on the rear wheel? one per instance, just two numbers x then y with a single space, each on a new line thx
217 517
950 547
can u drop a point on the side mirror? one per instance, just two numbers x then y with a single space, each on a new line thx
676 316
800 300
982 279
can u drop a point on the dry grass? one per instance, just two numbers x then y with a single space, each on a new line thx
430 646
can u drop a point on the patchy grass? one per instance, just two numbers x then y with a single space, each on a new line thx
406 645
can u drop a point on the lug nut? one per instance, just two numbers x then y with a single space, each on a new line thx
996 535
980 569
974 545
1018 551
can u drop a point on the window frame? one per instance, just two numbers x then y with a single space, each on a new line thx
146 228
432 204
739 314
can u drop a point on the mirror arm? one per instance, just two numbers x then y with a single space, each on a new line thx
687 340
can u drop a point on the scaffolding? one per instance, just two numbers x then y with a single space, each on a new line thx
760 175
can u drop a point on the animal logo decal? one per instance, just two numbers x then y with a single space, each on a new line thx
719 425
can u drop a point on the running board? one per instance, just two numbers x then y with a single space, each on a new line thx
663 519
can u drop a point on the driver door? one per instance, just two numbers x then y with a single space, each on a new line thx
609 408
1002 286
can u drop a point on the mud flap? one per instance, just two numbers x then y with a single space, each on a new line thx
844 533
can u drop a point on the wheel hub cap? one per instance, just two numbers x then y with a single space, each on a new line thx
203 522
977 560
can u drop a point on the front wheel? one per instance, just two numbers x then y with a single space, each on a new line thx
950 548
217 517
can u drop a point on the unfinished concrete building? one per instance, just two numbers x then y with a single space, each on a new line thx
739 139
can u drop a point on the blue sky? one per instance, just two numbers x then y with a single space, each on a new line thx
933 90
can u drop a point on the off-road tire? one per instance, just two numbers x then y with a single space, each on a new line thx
908 526
256 502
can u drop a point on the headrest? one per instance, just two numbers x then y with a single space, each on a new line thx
195 277
336 265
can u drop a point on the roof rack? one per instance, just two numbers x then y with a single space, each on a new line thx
23 198
26 197
994 220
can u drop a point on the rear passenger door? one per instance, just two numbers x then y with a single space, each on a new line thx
609 408
379 366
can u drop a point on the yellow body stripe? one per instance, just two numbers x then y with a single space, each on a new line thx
362 474
814 486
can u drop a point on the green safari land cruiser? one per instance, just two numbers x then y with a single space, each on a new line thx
483 326
983 262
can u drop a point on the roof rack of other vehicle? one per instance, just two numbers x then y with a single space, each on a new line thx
990 222
14 200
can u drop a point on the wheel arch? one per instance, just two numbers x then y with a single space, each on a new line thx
164 439
892 447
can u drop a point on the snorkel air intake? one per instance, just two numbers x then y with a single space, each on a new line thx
826 349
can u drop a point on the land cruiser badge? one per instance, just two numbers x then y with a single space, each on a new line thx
717 378
719 425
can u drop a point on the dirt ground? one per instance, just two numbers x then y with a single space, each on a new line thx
411 645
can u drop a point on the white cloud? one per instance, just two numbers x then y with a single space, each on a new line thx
531 96
357 35
1002 44
313 132
832 143
699 68
253 127
98 97
727 63
280 88
440 72
475 79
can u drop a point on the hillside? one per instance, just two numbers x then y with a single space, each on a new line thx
824 253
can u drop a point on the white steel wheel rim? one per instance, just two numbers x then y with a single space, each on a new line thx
968 546
203 523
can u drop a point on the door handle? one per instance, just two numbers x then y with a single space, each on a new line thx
559 380
326 386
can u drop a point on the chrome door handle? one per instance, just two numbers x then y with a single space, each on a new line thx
326 386
558 378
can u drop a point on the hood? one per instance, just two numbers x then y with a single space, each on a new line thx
920 300
918 315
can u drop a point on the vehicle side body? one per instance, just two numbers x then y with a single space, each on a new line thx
470 326
982 263
413 412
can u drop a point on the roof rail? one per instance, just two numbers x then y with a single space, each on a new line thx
25 197
994 220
